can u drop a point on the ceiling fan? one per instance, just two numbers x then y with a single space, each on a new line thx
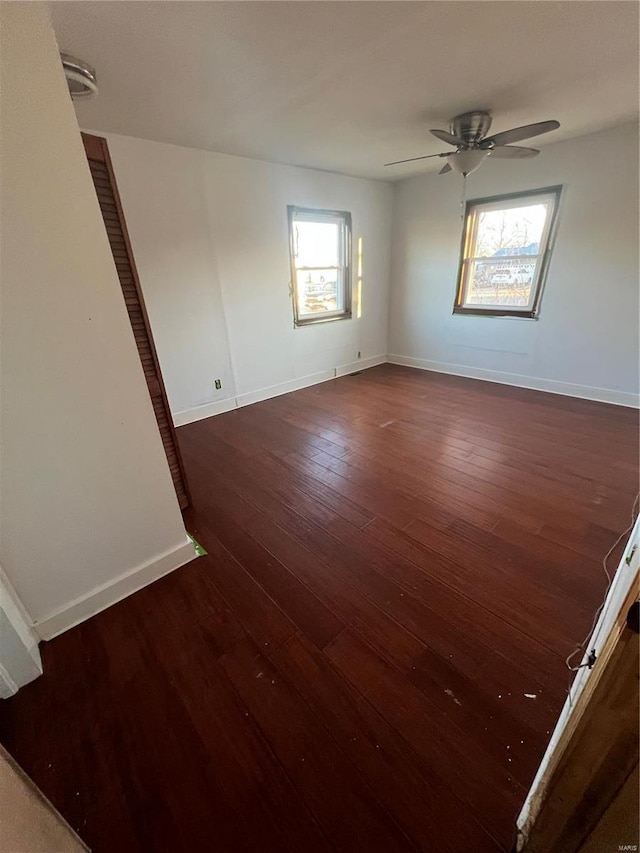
468 132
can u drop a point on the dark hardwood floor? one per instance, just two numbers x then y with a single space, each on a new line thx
396 559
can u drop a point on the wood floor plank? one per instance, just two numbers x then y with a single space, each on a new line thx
438 556
337 795
395 559
458 486
348 547
418 795
262 618
309 613
502 560
242 762
488 789
356 609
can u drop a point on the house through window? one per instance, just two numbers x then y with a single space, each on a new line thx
505 253
320 246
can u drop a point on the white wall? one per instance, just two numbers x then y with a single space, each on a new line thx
586 339
209 234
88 509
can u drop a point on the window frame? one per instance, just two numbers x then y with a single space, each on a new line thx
544 256
312 214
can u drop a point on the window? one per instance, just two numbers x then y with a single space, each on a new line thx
506 246
320 245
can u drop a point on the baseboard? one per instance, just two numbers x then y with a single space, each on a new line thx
189 416
284 387
113 591
551 386
198 413
361 364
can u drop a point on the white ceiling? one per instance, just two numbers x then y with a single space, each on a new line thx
348 86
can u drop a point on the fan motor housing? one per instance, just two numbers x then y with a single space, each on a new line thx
81 77
471 127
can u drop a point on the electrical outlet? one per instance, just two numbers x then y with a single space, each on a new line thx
218 384
359 354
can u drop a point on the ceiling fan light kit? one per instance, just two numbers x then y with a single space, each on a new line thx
468 160
468 133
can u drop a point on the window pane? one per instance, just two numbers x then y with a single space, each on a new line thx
318 291
510 231
505 283
317 244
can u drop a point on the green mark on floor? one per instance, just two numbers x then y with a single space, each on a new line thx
199 549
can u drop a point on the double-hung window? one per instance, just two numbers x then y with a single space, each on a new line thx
320 249
506 248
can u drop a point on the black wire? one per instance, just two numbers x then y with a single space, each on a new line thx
591 659
583 644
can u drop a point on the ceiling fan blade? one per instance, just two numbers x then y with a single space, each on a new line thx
444 136
446 168
513 152
411 159
517 134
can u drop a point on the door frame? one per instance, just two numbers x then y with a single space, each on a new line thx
582 703
97 148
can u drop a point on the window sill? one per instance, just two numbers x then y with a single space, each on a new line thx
479 312
313 321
